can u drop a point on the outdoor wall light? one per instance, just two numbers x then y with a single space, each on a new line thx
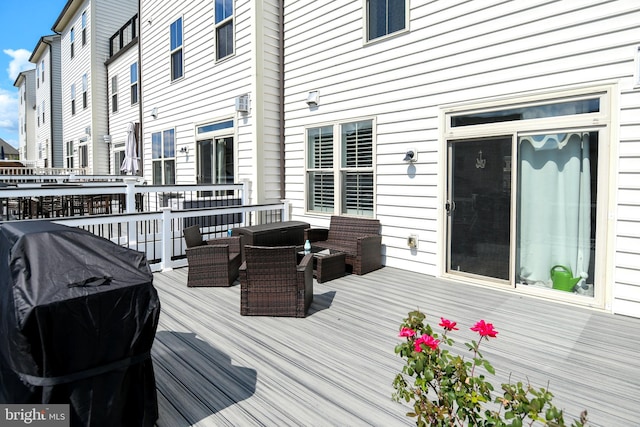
154 113
184 150
412 241
313 98
411 155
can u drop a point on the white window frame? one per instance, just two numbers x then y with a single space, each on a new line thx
72 39
69 154
73 99
366 26
339 169
179 48
221 22
114 94
134 93
84 28
162 159
85 88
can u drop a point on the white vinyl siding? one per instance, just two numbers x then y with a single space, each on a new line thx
453 55
208 93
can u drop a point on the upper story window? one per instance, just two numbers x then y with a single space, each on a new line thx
134 83
42 112
37 76
72 39
224 28
114 93
385 17
42 69
84 28
84 90
176 49
73 99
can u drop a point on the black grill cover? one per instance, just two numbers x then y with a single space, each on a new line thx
78 316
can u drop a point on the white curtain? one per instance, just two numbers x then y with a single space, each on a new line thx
554 225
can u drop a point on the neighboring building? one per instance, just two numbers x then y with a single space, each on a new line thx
10 153
85 27
46 57
211 94
523 119
26 84
123 76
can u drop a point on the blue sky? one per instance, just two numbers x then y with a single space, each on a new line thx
23 23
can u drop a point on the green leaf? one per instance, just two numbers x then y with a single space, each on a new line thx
489 368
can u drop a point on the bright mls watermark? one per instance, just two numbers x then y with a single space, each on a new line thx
34 415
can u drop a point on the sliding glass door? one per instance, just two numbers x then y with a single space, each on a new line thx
479 206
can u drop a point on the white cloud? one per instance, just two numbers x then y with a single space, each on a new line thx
8 111
20 62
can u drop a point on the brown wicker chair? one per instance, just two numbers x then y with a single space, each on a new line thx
215 263
193 237
358 238
274 284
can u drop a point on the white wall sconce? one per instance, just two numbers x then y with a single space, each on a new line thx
313 98
412 241
411 155
154 112
107 138
184 150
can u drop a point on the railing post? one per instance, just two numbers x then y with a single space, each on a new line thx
286 210
166 240
131 193
246 188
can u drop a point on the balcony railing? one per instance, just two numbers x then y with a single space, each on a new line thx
149 219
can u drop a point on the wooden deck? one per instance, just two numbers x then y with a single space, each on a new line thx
335 367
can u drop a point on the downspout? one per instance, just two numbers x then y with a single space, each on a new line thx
282 126
108 122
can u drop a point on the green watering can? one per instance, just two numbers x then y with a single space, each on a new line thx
563 279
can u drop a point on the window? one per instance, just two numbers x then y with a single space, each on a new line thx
163 152
215 153
37 77
385 17
72 38
134 83
69 154
83 155
340 180
224 28
73 99
118 158
84 28
114 93
42 69
38 116
42 112
84 90
176 49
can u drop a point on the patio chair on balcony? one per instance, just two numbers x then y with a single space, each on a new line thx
272 283
214 262
193 237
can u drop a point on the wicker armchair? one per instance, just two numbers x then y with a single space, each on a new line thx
193 237
358 238
274 284
215 263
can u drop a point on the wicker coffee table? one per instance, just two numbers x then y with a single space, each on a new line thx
327 264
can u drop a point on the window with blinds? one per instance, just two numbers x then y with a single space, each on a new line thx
344 184
357 168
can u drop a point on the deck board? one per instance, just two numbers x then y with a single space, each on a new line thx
335 367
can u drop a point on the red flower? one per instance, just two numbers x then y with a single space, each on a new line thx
406 332
448 324
427 340
485 329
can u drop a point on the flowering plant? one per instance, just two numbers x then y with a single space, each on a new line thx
448 390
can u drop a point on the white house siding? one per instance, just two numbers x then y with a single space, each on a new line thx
126 112
104 18
459 52
26 84
208 89
49 130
